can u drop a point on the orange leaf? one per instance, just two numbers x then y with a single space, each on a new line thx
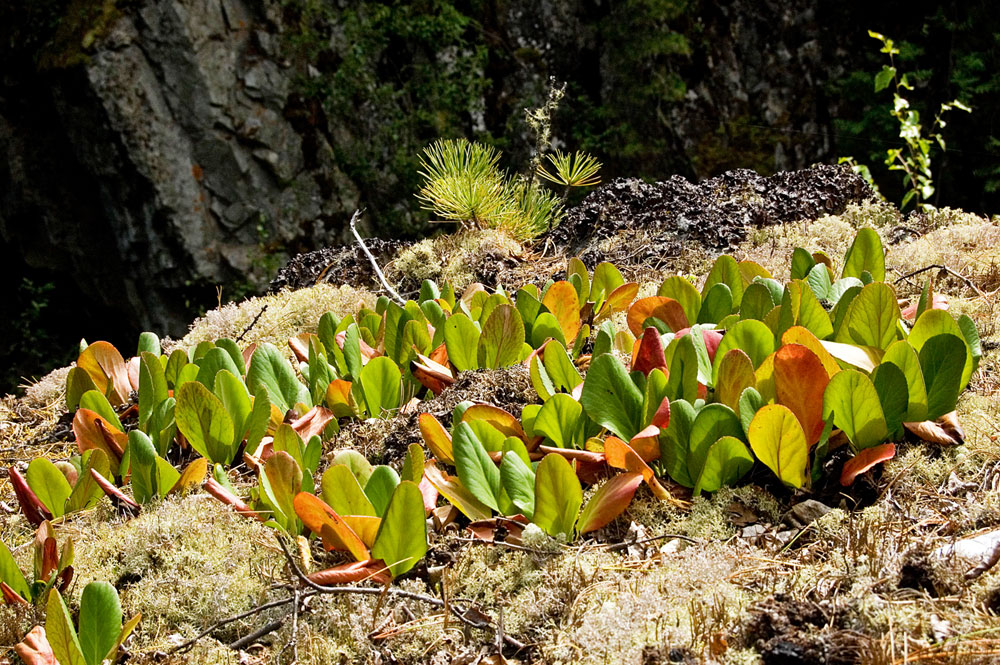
800 380
92 432
946 430
865 460
646 443
621 456
649 354
618 300
609 501
103 363
503 421
338 398
665 309
440 355
35 649
322 520
735 375
562 301
436 438
193 474
803 336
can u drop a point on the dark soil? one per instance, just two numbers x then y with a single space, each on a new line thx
716 213
795 632
345 264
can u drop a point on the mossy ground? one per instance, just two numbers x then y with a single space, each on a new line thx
729 581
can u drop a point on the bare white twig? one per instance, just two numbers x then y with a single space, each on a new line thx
378 271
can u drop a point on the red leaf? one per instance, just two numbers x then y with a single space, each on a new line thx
662 416
649 355
32 507
865 460
712 340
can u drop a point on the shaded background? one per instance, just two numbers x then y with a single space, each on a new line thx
155 151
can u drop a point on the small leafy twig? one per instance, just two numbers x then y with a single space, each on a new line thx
378 271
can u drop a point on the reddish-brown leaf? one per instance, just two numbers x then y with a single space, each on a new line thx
665 309
610 501
122 502
865 460
349 573
92 432
32 507
649 354
571 454
946 430
213 487
440 355
510 527
10 596
431 374
938 302
800 380
35 649
312 423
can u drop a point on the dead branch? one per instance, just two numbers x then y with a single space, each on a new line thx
375 266
968 282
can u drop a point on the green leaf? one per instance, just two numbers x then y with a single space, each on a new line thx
682 381
257 422
842 286
890 384
381 381
726 461
799 307
757 302
936 322
501 339
380 487
402 535
342 492
280 482
561 420
871 319
865 255
167 476
100 621
11 574
475 468
546 326
904 357
942 359
752 337
778 441
394 324
143 460
518 480
802 263
713 422
213 362
726 271
270 369
560 368
884 78
674 442
148 343
204 422
357 463
461 339
152 386
685 293
750 403
558 496
235 398
971 336
49 485
352 351
99 404
175 363
851 400
235 354
87 492
530 307
413 463
717 304
78 382
819 281
60 632
611 399
607 278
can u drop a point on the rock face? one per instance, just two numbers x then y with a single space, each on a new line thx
180 151
183 164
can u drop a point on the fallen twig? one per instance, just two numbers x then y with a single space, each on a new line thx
391 591
378 271
968 282
626 544
251 324
236 617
